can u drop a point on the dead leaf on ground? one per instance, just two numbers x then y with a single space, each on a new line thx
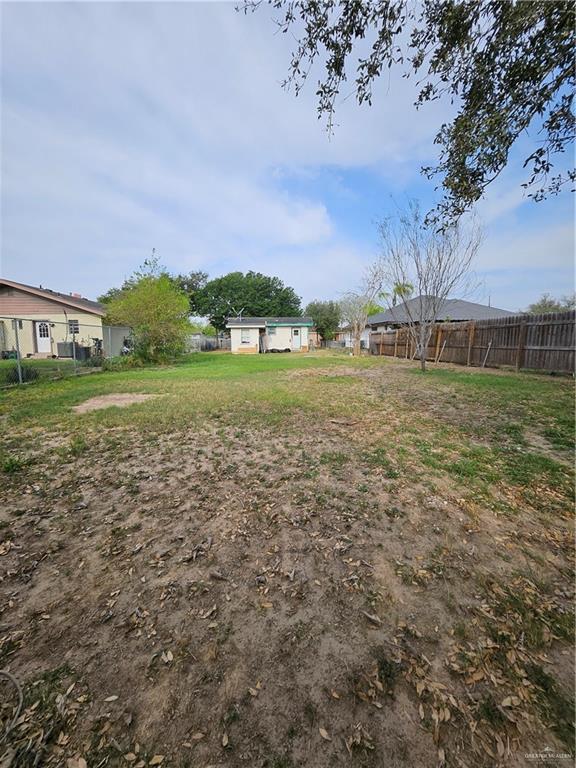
373 619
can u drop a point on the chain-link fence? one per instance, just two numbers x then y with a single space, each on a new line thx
33 348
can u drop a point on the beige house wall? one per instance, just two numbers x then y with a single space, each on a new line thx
282 339
304 339
90 327
237 346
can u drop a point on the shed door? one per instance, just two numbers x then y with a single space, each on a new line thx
295 338
43 337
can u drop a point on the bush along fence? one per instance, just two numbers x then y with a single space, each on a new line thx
533 342
33 349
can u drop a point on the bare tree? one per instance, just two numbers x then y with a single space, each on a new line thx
356 305
429 264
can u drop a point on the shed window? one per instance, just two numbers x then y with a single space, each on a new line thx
245 335
73 326
272 331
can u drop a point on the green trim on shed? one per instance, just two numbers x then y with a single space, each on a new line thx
307 324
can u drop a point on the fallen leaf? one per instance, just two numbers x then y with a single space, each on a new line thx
324 733
373 619
197 736
111 698
224 739
156 760
252 691
130 757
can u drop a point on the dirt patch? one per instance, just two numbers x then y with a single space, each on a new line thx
107 401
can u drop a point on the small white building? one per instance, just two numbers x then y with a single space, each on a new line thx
344 336
254 335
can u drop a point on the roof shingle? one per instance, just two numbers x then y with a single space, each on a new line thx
450 309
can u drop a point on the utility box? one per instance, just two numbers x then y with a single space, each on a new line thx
64 349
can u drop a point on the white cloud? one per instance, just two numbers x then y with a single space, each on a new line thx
550 248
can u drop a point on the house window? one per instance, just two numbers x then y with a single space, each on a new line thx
73 326
245 335
43 331
272 331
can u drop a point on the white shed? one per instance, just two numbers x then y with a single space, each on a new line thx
253 335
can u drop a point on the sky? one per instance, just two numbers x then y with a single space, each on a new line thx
132 126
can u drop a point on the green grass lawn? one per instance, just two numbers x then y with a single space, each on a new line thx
289 560
210 380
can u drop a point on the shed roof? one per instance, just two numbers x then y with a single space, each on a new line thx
61 298
450 309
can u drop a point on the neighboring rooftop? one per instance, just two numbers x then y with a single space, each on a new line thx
70 299
450 309
263 322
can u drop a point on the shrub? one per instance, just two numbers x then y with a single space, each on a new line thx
10 375
157 311
124 363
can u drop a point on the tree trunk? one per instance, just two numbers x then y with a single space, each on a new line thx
356 350
423 347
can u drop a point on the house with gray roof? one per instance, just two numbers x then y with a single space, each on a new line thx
449 310
254 335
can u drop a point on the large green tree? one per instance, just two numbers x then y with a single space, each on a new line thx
252 294
157 311
507 66
326 316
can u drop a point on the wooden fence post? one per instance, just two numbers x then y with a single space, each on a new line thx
438 339
396 344
471 332
521 346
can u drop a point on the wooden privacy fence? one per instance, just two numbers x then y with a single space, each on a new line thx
537 342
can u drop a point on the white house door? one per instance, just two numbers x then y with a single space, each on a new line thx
43 345
296 338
